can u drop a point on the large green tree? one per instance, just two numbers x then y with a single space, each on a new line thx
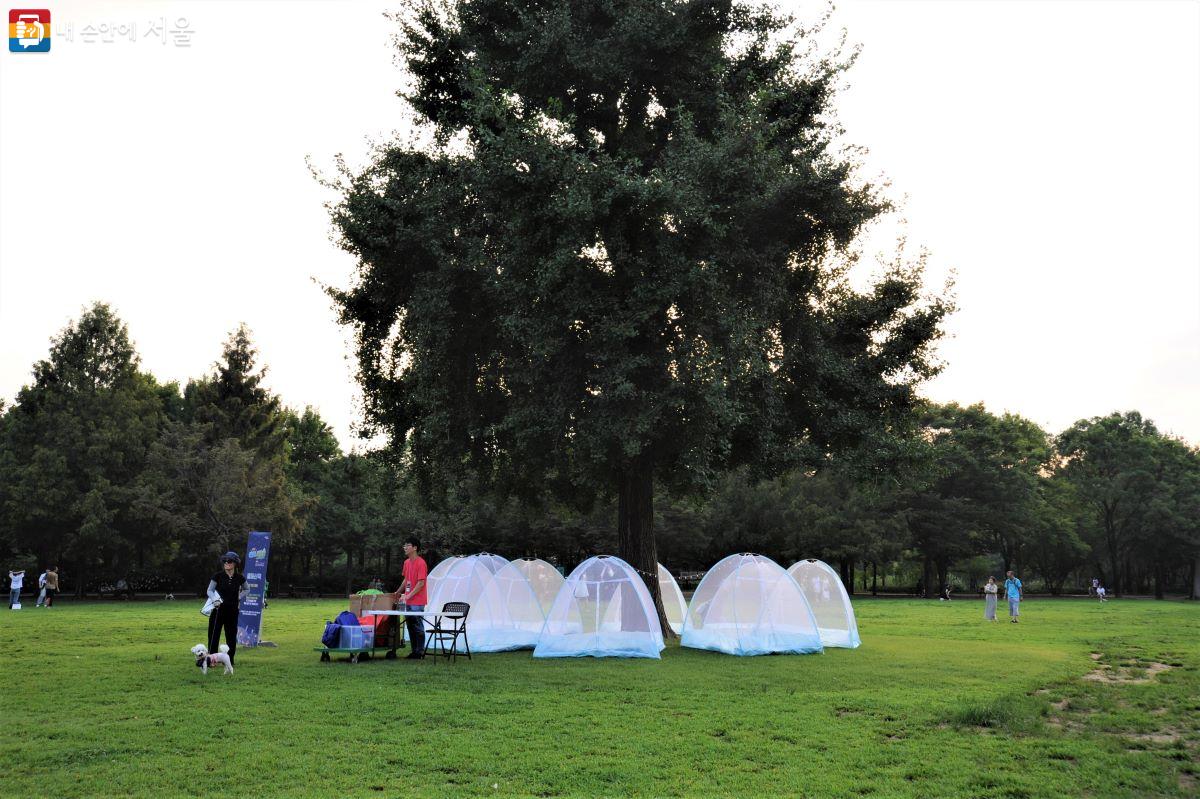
1170 532
982 490
1055 545
1111 462
620 258
73 446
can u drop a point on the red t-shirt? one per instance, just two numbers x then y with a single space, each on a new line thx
416 571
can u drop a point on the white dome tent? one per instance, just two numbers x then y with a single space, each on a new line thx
602 610
463 581
748 605
506 613
543 578
439 571
493 562
672 597
826 595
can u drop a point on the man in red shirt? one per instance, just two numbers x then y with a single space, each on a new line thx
412 595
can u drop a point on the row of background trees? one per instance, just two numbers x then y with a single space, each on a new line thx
111 474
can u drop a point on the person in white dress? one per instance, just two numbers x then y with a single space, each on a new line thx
989 597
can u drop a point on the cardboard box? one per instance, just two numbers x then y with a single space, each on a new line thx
361 603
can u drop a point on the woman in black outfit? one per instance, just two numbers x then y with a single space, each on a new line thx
229 585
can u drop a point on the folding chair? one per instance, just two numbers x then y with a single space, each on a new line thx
448 629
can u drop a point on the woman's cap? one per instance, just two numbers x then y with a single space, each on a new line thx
231 555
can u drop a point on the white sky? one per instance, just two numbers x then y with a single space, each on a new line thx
1049 153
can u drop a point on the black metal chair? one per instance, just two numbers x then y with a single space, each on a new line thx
448 626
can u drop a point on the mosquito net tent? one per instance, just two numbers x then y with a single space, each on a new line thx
543 578
672 597
463 581
506 613
494 563
829 601
602 610
748 605
438 571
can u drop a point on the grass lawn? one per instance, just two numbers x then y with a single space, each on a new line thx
104 699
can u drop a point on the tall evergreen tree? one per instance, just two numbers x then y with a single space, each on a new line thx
219 467
621 258
234 403
73 446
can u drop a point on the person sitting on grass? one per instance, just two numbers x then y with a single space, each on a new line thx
1100 592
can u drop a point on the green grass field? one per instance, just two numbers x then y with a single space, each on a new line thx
103 699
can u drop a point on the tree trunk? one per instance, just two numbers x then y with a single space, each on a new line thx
635 529
874 578
1158 579
1115 570
1195 578
349 569
927 578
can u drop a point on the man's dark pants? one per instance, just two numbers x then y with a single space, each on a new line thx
416 629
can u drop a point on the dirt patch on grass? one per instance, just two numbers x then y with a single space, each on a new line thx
1066 718
1165 737
1126 675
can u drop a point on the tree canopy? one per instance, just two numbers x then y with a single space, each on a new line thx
622 256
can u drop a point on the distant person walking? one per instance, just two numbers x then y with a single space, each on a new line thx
41 600
1095 589
51 585
1012 592
16 581
989 599
413 596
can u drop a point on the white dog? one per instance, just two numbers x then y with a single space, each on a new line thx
204 659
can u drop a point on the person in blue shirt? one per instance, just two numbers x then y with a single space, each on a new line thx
1012 590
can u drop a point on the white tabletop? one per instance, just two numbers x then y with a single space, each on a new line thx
412 613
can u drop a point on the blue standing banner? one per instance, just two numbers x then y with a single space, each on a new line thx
251 608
